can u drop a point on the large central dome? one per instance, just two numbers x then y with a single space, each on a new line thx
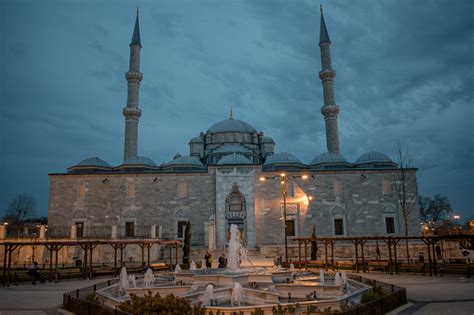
231 125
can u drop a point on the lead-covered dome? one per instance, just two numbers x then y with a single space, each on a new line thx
183 164
283 161
329 160
139 160
374 159
90 165
231 125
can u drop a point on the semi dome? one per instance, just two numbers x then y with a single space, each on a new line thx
234 159
374 159
139 160
93 161
282 158
231 125
231 147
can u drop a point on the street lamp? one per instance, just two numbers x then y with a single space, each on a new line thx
283 178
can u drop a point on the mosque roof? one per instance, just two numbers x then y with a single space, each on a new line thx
93 161
282 158
184 160
139 160
231 147
136 34
328 158
230 125
234 159
323 32
373 157
267 140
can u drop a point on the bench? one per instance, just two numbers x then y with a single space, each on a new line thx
413 267
103 271
456 268
344 265
378 266
159 266
317 263
69 273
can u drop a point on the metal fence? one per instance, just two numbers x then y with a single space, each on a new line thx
103 232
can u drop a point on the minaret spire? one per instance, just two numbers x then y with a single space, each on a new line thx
132 111
231 114
329 110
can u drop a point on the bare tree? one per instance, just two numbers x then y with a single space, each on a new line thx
406 187
20 208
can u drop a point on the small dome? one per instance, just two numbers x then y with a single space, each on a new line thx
267 140
196 140
328 158
231 147
184 160
234 159
139 160
282 158
373 157
93 161
231 124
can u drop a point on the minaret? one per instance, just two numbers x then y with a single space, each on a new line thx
132 112
327 75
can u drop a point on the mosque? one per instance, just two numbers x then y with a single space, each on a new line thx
232 175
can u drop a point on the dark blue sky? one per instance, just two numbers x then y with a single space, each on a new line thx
404 72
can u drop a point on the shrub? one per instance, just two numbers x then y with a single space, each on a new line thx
156 304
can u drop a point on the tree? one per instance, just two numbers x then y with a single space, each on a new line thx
20 208
423 204
187 243
406 186
439 209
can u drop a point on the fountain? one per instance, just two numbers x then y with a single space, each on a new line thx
321 276
148 278
206 298
235 249
292 267
133 280
241 286
237 293
123 283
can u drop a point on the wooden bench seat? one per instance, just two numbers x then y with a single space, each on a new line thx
413 267
69 273
159 266
377 266
456 268
344 265
316 263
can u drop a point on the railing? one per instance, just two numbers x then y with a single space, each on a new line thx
103 232
82 301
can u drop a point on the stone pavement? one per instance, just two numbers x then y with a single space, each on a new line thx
40 299
433 295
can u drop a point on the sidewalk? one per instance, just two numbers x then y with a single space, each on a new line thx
433 295
40 299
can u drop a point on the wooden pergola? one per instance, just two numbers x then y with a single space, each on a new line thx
390 241
88 245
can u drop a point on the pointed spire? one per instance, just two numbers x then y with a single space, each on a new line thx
323 33
231 115
136 33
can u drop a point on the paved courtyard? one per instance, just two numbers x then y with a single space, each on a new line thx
427 295
433 295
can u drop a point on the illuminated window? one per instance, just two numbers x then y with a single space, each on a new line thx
182 189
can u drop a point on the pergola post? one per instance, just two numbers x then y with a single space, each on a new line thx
332 253
326 253
305 255
362 243
299 254
5 253
435 271
50 262
148 250
176 258
356 243
171 258
395 243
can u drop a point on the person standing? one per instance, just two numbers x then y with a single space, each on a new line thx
208 258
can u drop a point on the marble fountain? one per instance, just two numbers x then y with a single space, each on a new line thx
241 287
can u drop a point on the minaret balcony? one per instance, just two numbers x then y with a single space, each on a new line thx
132 112
134 76
327 74
330 110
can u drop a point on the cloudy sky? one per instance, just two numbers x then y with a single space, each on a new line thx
404 72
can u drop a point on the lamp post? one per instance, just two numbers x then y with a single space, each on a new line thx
283 178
